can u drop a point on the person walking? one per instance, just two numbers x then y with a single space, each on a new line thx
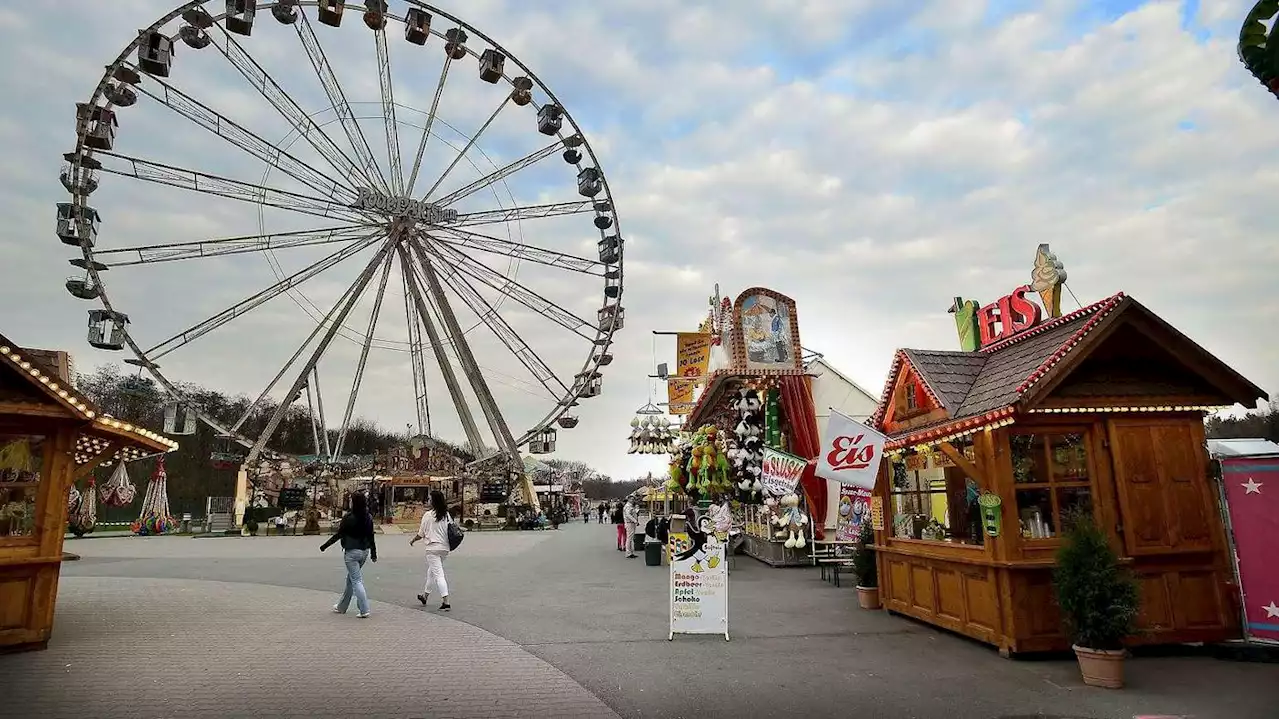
434 528
631 524
600 511
355 531
586 514
616 516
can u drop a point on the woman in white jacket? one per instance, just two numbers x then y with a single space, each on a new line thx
434 528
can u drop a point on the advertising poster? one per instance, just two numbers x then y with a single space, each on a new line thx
699 587
693 353
851 452
780 472
1250 485
854 509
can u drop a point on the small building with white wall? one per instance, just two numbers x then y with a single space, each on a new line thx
833 390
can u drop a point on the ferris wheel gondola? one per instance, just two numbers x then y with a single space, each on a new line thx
388 210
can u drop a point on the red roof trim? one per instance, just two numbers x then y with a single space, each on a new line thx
969 423
878 416
1055 322
1104 308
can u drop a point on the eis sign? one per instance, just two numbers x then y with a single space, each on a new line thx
1016 312
1008 316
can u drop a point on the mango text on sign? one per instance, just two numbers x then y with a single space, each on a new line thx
846 454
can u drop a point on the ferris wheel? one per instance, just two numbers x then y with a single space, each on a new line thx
363 195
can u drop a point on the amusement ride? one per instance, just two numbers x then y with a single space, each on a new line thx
357 179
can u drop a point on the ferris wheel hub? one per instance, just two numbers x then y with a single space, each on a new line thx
397 208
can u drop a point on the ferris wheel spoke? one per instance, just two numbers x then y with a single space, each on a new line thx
202 249
466 148
208 184
516 214
249 303
333 89
500 174
213 121
504 332
488 243
474 440
292 113
364 358
322 325
389 110
426 128
353 295
460 262
497 425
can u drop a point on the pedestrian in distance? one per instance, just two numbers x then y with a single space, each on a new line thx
586 515
600 509
355 531
619 520
434 529
631 523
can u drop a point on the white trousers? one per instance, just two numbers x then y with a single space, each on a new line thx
435 573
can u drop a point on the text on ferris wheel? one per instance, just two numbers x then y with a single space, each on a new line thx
370 199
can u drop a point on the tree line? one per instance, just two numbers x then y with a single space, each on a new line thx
1259 424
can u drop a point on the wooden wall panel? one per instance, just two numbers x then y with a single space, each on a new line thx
950 594
15 602
922 590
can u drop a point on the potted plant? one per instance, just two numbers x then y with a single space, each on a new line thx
1098 600
864 568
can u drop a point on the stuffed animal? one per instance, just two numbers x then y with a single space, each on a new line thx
791 522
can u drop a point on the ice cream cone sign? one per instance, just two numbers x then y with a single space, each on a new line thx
1047 278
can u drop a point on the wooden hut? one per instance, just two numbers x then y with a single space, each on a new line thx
1099 410
50 435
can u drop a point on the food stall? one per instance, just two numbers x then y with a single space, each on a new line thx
753 398
50 435
1041 413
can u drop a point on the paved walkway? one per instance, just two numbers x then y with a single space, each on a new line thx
573 616
197 649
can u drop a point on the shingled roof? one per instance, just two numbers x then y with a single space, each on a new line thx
975 384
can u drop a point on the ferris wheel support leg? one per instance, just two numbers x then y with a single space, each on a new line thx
324 427
357 290
501 432
446 368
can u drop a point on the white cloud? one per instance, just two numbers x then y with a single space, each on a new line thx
872 160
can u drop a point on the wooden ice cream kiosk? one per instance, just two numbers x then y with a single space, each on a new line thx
1098 410
50 434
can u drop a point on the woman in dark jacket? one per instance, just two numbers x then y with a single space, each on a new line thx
356 534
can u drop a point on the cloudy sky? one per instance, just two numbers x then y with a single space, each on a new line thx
871 159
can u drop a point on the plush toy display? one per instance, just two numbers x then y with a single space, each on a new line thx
749 454
700 468
791 522
651 435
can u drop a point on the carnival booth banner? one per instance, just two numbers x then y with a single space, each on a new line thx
780 472
851 452
693 354
855 508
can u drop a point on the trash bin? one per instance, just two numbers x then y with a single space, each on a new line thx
637 541
653 553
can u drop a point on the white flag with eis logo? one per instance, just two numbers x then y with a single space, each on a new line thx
851 452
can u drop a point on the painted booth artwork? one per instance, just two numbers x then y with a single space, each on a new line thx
766 323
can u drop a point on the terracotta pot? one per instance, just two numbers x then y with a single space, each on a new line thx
869 597
1101 667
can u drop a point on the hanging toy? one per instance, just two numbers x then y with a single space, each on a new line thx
635 436
86 516
155 517
118 491
73 500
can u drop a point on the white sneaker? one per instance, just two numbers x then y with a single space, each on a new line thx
337 611
362 615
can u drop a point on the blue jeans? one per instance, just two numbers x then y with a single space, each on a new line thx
354 559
